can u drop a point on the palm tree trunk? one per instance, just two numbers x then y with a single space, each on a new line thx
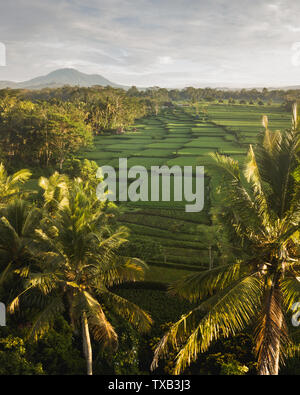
269 356
210 258
279 321
272 370
87 347
277 357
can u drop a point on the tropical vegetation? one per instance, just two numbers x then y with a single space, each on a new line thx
102 287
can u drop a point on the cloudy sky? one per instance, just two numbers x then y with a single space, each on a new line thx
171 43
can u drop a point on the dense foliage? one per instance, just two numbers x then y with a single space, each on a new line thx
44 128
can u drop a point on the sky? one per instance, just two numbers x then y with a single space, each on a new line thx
168 43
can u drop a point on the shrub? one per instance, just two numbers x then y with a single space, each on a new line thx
14 359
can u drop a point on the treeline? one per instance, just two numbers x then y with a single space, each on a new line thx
209 94
43 128
106 108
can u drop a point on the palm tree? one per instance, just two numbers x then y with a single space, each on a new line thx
18 222
261 212
78 263
10 185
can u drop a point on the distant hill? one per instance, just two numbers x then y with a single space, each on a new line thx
73 77
8 84
60 78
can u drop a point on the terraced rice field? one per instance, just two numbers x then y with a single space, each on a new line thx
244 121
178 137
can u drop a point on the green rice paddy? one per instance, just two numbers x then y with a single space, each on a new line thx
178 137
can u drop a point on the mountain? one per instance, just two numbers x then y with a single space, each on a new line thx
8 84
73 77
59 78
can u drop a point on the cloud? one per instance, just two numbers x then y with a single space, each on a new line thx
153 42
295 58
165 60
2 54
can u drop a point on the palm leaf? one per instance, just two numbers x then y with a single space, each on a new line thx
45 319
271 332
101 328
128 310
200 285
228 315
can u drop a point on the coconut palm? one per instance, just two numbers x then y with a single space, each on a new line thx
10 185
18 222
261 212
78 264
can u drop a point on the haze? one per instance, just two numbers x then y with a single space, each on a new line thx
171 43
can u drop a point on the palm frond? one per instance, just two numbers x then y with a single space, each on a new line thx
45 281
4 273
200 285
290 288
128 310
229 314
15 303
253 177
237 200
101 328
271 333
9 237
124 270
20 177
45 319
229 165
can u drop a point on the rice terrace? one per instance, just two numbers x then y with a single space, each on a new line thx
183 136
150 191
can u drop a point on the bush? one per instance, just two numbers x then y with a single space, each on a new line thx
13 358
85 169
233 368
56 350
126 359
